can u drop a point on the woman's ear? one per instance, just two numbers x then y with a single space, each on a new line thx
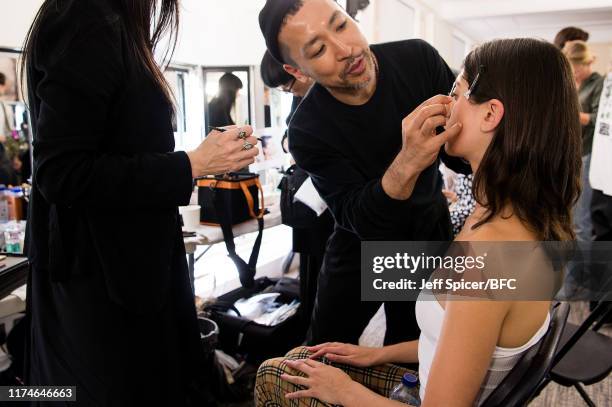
493 114
296 73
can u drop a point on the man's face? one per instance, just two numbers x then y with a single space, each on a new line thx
2 90
327 45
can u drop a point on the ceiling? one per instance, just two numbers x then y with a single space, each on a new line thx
488 19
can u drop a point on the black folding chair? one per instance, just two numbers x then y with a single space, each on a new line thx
523 381
585 355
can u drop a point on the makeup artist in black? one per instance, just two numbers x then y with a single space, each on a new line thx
366 134
109 299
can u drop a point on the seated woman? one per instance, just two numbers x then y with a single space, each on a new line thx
520 132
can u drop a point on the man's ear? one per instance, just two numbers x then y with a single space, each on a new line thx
296 73
493 114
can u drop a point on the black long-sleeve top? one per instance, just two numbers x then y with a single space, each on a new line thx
347 149
109 296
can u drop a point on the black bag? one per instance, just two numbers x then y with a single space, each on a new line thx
294 213
227 201
241 336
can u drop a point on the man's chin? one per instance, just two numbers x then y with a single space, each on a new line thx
360 83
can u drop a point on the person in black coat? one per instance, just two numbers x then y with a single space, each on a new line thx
109 299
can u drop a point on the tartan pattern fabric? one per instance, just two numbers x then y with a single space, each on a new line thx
270 389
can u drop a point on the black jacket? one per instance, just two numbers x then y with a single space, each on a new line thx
109 296
347 149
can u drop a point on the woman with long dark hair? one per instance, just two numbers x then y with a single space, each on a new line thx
109 297
517 105
220 107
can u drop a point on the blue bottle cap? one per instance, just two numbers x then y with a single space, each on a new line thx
410 380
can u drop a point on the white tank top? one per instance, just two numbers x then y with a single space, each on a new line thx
430 315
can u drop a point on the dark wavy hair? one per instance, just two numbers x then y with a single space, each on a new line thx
146 22
533 162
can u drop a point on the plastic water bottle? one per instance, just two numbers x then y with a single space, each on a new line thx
406 391
12 238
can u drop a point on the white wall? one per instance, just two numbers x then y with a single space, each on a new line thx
215 32
603 53
16 19
390 24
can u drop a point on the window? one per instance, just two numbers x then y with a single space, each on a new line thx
176 78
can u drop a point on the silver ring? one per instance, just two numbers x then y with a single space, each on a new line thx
242 135
247 145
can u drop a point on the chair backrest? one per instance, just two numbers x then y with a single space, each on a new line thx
519 386
594 321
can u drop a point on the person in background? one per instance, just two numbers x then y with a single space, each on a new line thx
309 242
458 192
5 113
220 107
589 84
8 174
274 76
570 34
108 312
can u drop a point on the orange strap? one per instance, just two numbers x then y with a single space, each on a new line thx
249 198
222 184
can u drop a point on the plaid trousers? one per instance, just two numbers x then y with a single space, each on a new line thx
270 389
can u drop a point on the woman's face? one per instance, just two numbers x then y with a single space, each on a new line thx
470 138
479 124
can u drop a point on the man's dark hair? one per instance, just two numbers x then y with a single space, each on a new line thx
284 49
570 34
272 72
2 79
272 19
533 162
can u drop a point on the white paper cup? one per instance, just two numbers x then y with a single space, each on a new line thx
191 217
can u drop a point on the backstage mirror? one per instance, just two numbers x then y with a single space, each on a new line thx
227 96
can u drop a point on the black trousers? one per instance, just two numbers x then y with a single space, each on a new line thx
310 266
339 315
601 215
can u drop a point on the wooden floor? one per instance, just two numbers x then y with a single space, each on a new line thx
553 395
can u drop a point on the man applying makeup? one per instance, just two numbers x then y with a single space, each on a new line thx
366 134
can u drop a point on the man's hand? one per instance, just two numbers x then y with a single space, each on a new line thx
420 146
585 118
